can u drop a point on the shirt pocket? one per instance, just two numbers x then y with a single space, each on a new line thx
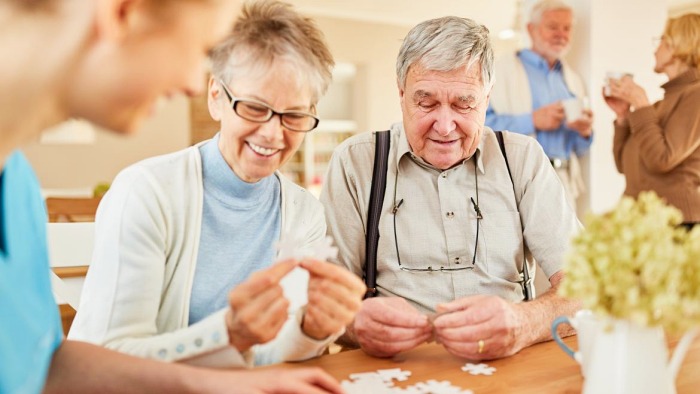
502 245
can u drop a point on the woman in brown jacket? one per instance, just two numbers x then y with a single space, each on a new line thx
657 146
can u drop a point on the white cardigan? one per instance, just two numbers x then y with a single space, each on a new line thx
511 94
511 91
137 292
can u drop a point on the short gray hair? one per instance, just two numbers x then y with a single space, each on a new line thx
542 6
446 44
269 32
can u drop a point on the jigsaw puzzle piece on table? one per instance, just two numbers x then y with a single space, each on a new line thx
479 369
442 387
366 383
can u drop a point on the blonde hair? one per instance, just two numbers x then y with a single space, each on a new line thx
269 32
683 34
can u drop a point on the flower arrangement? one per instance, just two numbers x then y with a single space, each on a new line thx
636 263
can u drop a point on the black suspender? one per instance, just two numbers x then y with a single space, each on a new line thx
376 200
525 280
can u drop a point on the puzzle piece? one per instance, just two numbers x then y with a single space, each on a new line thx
443 387
291 247
369 382
407 390
367 376
324 250
478 369
393 374
382 382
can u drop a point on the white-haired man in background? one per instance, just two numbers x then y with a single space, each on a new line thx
531 88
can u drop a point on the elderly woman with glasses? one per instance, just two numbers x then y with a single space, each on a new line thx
657 146
184 264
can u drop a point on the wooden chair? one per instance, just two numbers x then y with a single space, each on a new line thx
70 252
62 209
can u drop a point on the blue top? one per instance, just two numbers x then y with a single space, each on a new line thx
546 86
30 326
240 224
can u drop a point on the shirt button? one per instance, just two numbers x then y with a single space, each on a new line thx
162 353
216 337
457 260
180 348
444 175
198 342
450 214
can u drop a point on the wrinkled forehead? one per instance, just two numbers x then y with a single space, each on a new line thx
470 99
463 83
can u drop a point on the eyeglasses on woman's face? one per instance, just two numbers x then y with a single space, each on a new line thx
259 112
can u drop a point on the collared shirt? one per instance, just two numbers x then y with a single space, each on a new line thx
546 87
30 327
436 224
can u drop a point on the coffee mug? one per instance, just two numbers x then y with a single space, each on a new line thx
573 109
613 75
586 326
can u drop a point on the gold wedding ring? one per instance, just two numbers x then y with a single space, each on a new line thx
481 346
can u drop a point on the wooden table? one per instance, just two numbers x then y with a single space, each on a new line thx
542 368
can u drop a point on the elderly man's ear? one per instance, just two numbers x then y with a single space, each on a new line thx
214 96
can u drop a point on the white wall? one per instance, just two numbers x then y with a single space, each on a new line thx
613 36
83 166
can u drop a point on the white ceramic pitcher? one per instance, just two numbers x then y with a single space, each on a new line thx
630 359
586 325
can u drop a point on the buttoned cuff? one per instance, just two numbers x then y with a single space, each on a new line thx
292 344
212 345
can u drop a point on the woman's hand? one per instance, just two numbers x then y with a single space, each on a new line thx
618 105
335 296
627 90
258 308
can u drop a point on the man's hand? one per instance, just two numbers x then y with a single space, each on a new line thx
386 326
549 117
258 307
583 125
335 296
479 327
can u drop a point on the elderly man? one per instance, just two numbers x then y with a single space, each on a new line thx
455 229
532 86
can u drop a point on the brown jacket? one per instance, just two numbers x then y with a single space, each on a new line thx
659 147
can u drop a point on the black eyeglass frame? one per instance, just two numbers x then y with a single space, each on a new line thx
271 112
479 216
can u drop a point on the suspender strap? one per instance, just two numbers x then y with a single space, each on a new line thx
502 145
525 280
376 200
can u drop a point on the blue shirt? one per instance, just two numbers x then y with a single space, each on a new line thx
546 87
30 326
240 224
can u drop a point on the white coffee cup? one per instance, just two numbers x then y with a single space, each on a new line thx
613 76
573 108
587 326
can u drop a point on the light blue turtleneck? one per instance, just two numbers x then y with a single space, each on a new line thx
240 224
